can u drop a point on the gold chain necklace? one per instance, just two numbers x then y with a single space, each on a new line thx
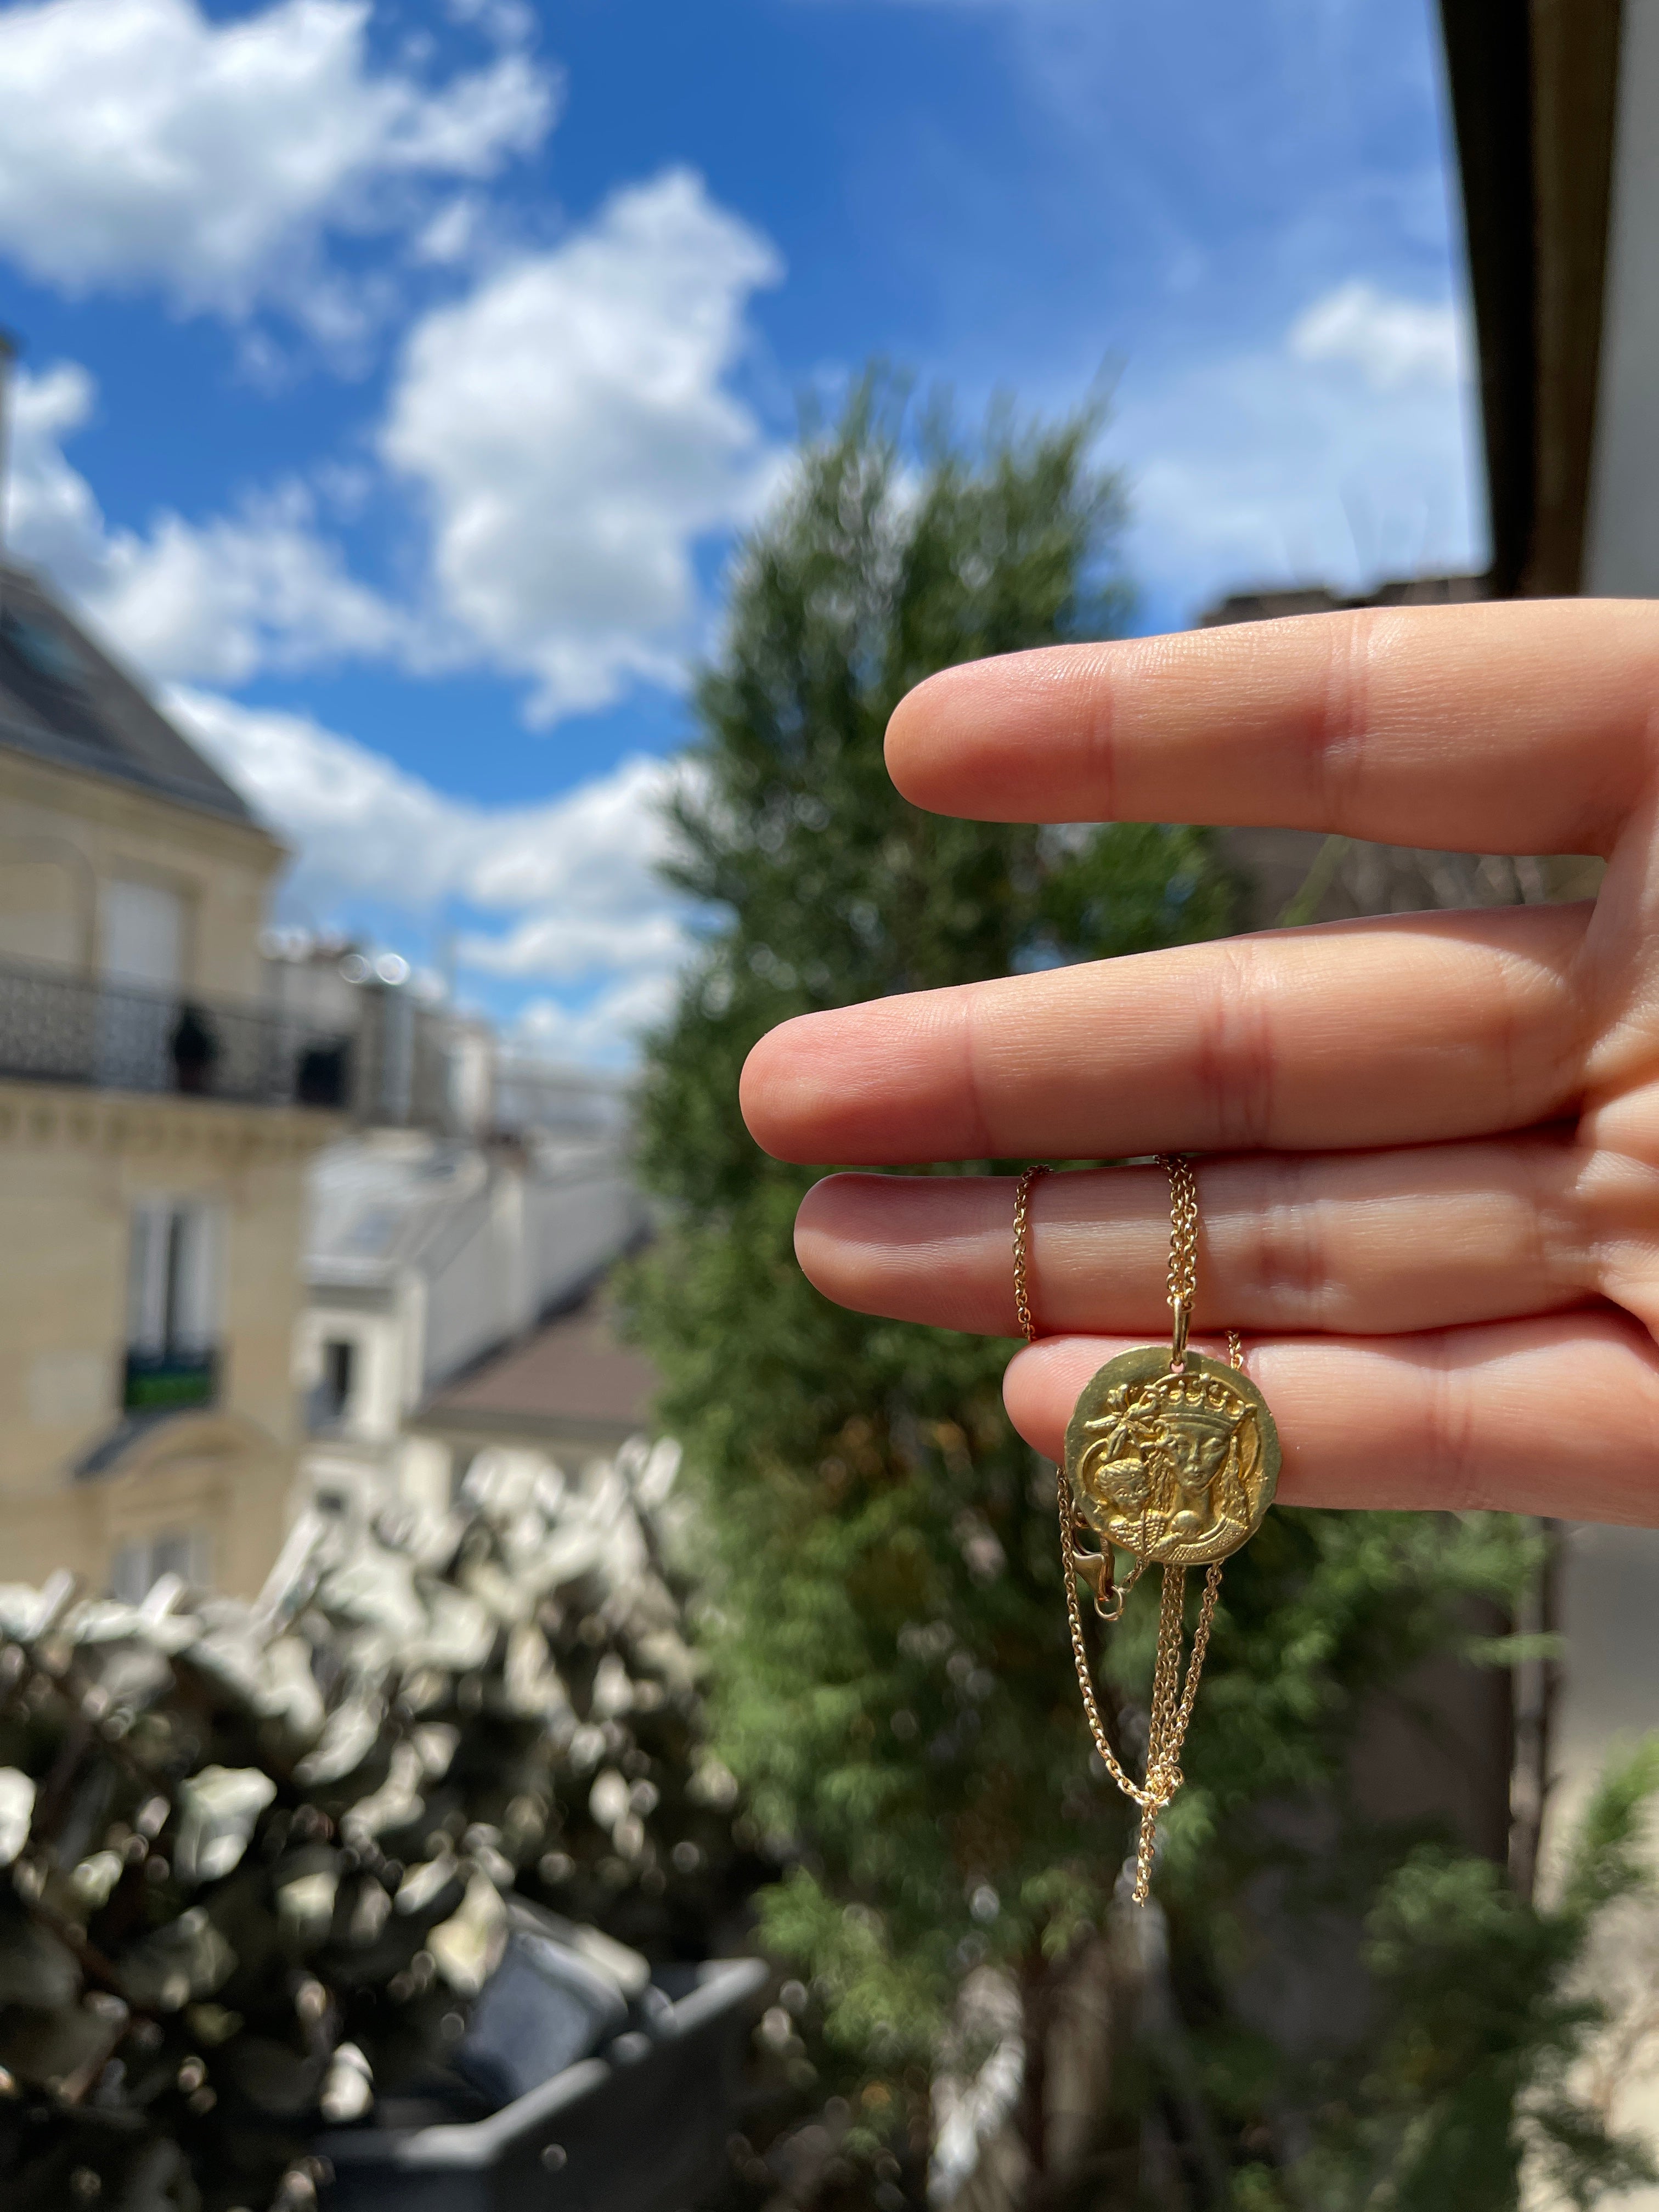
1171 1457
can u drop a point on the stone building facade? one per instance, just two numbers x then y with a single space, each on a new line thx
157 1121
427 1260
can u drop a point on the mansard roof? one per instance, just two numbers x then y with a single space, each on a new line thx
64 699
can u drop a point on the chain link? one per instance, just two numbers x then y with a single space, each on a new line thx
1183 1249
1171 1709
1023 1190
1172 1700
1184 1228
1183 1237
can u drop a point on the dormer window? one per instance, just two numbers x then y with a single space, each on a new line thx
44 652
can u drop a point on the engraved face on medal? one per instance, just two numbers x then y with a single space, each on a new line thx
1176 1466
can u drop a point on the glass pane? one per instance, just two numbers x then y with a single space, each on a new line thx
130 1577
171 1553
147 1277
143 935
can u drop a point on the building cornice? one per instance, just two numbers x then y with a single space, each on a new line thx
93 792
37 1116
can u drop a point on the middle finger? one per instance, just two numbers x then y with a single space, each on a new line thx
1357 1244
1408 1030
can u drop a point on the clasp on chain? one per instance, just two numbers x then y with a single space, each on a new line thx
1095 1568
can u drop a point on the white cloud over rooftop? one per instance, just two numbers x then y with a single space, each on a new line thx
566 433
217 600
1343 453
560 430
573 877
364 825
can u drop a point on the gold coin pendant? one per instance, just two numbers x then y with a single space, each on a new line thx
1173 1464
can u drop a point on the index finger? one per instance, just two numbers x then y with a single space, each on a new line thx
1510 727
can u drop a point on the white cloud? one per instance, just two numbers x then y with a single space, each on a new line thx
1347 454
511 22
1391 340
148 147
453 233
574 875
602 1031
218 600
365 825
563 945
222 600
48 510
572 429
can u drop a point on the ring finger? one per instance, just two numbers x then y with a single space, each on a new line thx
1357 1244
1455 1419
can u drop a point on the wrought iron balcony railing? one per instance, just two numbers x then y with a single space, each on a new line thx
61 1028
168 1381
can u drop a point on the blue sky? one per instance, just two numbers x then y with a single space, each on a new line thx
395 378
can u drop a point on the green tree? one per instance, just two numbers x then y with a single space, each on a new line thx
893 1683
1483 2012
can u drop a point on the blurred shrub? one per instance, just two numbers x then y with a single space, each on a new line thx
259 1855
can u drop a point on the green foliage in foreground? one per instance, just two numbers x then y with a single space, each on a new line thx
886 1619
1482 2014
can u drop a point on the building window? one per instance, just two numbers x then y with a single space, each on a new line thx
143 935
173 1306
331 1399
141 1561
143 965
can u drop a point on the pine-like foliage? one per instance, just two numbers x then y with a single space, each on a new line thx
894 1684
1484 2016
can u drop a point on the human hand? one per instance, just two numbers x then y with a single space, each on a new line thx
1427 1145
